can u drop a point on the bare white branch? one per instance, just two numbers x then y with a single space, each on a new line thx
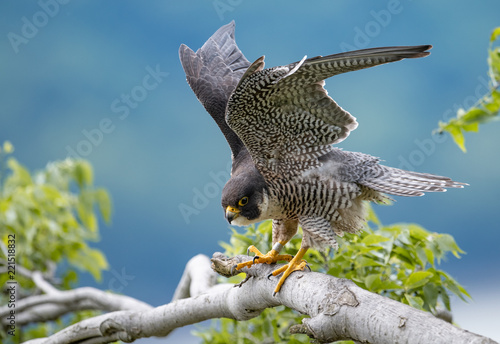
55 303
196 279
50 306
42 284
338 309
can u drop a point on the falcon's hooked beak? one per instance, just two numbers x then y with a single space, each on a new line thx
231 213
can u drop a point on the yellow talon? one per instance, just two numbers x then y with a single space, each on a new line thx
268 258
296 264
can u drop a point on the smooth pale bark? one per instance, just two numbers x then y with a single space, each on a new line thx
338 309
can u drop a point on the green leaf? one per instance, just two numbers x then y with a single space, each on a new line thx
415 301
471 127
493 106
446 243
494 63
429 255
363 262
87 217
265 227
389 285
104 202
404 237
70 278
225 246
445 297
243 239
422 257
458 137
52 194
373 239
404 255
83 173
452 285
91 260
495 34
417 279
373 282
475 116
431 294
419 233
372 216
8 147
21 175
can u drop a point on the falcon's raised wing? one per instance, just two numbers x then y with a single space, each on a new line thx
213 72
285 117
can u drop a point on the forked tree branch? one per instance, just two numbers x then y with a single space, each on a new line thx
55 303
338 309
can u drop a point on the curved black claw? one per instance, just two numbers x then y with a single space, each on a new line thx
254 258
269 276
307 266
248 250
232 269
274 293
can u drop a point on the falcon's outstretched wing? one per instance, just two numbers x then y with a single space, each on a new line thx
285 117
213 72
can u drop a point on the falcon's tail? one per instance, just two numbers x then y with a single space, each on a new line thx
406 183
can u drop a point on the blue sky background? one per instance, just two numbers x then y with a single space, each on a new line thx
62 86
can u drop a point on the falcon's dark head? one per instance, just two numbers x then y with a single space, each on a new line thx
245 198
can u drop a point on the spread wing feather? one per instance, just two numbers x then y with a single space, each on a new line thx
213 73
285 117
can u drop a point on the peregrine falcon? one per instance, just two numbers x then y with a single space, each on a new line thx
280 124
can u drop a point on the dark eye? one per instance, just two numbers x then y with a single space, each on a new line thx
243 201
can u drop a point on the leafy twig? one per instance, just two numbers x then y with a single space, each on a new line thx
485 109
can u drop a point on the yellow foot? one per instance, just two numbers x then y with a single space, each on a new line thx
296 264
268 258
